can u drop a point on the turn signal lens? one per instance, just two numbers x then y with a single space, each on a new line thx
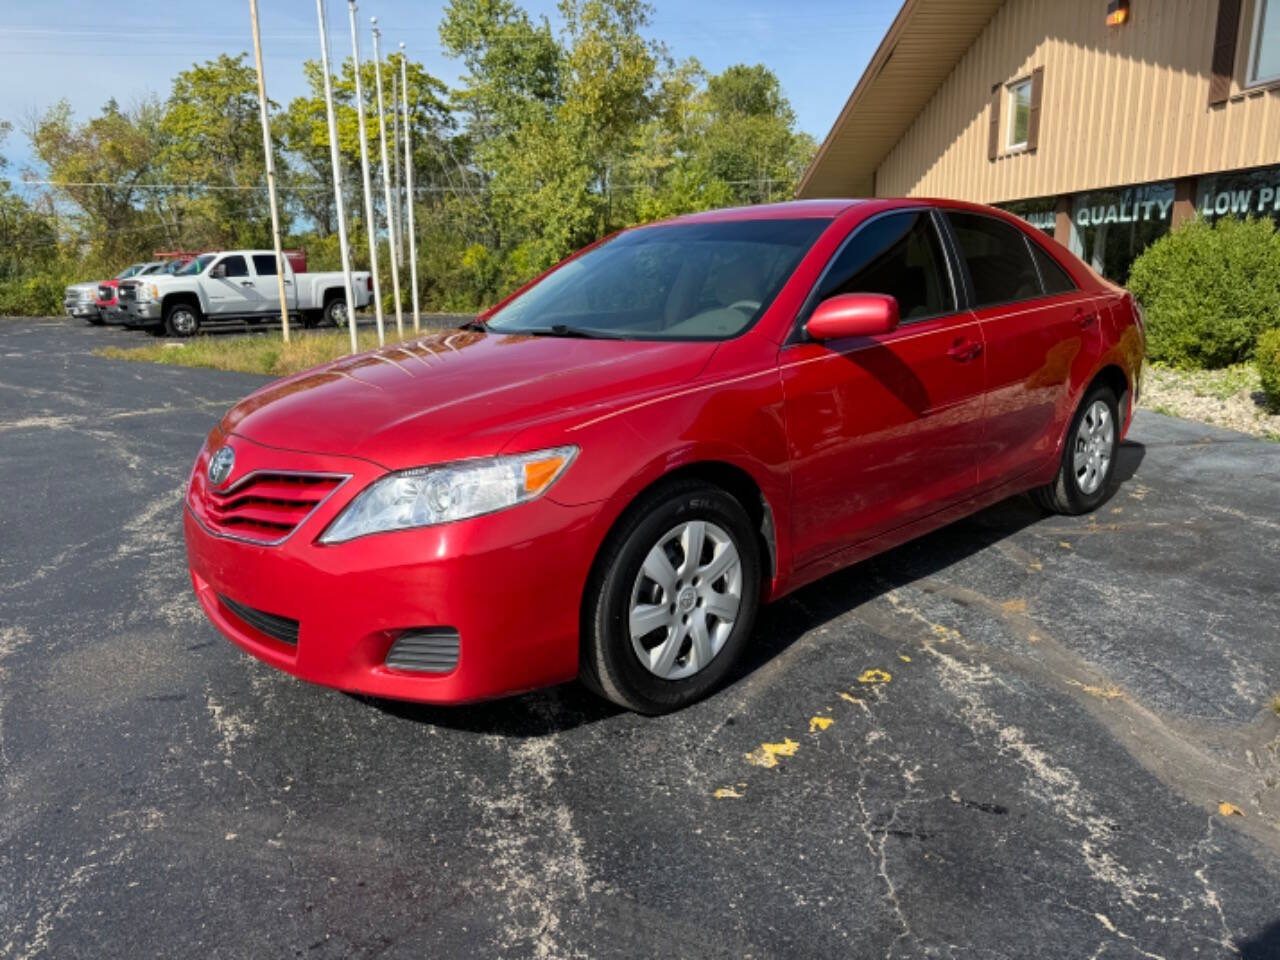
539 474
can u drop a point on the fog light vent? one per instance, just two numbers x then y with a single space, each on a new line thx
429 650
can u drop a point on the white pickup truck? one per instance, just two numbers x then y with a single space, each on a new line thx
238 285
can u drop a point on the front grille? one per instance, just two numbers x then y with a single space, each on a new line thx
429 650
125 292
267 507
106 292
273 625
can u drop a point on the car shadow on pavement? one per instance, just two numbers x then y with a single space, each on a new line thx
779 625
1264 946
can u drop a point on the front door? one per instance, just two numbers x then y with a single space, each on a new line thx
230 288
883 430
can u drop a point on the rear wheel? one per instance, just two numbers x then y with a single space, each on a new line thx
181 320
1087 470
672 600
335 312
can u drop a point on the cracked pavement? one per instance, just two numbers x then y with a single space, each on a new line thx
1008 739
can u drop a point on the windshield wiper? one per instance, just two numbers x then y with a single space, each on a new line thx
473 326
582 333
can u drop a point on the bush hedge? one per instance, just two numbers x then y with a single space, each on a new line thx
1267 357
1209 290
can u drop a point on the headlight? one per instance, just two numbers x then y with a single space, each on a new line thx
451 491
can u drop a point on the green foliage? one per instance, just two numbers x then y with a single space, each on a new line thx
552 138
1267 357
1209 291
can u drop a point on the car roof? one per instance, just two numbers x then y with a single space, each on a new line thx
828 209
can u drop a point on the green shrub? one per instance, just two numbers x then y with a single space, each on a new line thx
1267 357
1209 291
33 296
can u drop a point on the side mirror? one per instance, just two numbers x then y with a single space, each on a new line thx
219 271
853 315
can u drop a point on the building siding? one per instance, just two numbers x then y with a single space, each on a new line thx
1121 105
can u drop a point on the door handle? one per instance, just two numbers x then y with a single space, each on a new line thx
1086 320
246 283
964 350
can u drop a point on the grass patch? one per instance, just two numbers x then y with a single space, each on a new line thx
1275 704
264 354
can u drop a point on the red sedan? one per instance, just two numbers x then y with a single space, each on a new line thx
607 474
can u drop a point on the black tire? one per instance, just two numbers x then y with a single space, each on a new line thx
97 320
181 320
1065 494
609 663
335 311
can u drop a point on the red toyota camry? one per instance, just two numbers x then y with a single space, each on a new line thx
609 472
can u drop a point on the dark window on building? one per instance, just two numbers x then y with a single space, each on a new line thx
1054 278
999 262
899 255
234 266
264 264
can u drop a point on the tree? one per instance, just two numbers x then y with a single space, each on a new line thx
304 132
211 139
102 167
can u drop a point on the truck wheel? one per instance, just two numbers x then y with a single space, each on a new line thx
96 319
335 312
181 320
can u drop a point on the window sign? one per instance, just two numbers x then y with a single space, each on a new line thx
1109 228
1041 214
1253 193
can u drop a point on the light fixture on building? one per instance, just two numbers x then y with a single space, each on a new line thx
1117 12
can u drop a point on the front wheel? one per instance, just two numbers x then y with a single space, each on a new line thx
1087 470
96 319
181 320
672 600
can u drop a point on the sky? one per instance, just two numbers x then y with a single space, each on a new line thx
87 51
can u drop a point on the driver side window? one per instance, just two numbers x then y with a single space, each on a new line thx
901 255
234 266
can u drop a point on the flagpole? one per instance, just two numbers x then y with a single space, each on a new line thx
386 181
336 163
271 170
370 228
408 188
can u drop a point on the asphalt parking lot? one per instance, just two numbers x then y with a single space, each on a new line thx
1009 739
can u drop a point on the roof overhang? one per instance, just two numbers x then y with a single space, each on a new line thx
924 44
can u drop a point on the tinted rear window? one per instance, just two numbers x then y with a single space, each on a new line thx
264 264
1055 279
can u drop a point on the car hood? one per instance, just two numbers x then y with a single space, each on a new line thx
457 394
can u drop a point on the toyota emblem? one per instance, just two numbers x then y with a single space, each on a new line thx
220 465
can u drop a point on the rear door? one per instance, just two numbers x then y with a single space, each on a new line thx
264 266
230 288
1037 326
883 430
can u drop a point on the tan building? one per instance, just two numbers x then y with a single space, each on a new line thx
1103 122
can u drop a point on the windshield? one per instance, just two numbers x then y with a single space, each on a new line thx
696 281
174 266
129 271
196 266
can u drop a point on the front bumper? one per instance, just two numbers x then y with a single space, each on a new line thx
141 313
509 583
80 308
